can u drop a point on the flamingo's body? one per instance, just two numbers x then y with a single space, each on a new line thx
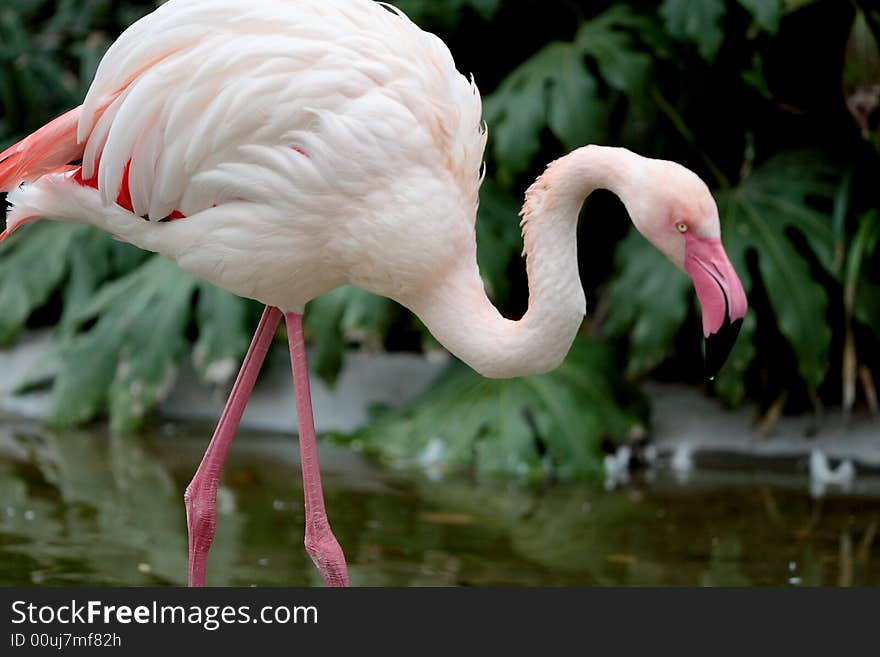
281 148
296 129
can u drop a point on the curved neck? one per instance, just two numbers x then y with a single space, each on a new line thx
459 314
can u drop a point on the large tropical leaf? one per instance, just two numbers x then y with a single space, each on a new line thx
31 269
532 427
730 383
46 257
649 301
759 215
552 89
699 21
341 317
223 333
608 40
556 90
128 359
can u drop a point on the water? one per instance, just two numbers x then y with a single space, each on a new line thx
86 509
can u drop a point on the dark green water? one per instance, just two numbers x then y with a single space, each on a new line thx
86 509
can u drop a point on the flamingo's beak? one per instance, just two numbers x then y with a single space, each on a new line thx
721 296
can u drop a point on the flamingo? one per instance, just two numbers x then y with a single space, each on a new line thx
281 148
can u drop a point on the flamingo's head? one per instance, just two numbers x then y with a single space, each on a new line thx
679 216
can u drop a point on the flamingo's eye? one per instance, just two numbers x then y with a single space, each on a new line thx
682 228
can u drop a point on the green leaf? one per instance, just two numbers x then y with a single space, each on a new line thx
767 13
697 21
757 215
555 90
608 39
571 95
861 296
44 258
552 89
35 262
730 384
128 359
756 78
430 13
223 334
649 301
496 426
94 259
867 305
498 239
346 314
29 271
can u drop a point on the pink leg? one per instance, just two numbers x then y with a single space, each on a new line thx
320 542
201 494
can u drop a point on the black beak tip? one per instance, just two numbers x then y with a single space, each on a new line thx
719 345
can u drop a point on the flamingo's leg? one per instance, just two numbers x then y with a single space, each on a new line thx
321 544
201 494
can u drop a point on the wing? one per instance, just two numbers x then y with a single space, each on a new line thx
303 100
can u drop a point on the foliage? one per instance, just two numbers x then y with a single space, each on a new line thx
223 334
699 22
650 298
497 238
861 295
756 216
529 428
49 50
25 287
446 13
738 90
128 359
555 89
342 316
47 258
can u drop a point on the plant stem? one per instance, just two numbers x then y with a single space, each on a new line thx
870 389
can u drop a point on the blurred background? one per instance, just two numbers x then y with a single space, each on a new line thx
774 103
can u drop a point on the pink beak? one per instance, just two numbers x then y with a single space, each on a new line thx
721 296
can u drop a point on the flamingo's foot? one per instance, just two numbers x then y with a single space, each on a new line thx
327 555
201 521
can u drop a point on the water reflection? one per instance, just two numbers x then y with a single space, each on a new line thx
85 508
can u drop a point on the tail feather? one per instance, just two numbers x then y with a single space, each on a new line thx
49 150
